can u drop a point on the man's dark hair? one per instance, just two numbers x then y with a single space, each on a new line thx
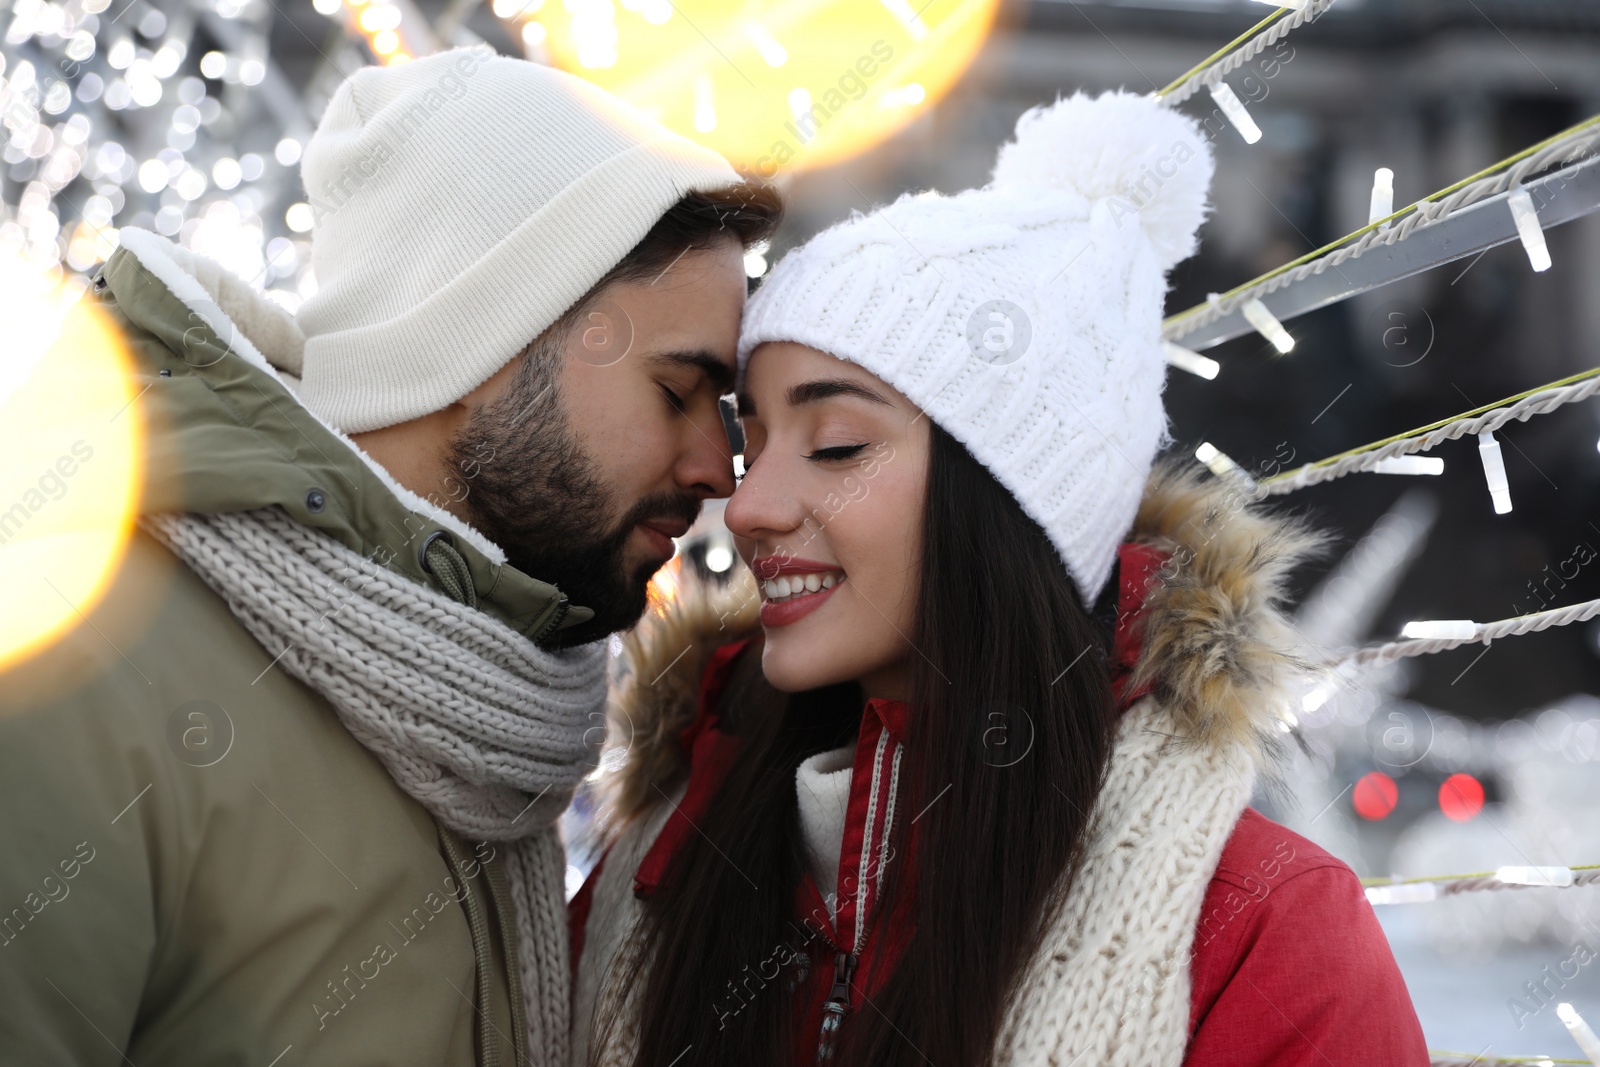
748 212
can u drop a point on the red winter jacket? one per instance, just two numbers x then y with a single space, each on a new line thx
1289 965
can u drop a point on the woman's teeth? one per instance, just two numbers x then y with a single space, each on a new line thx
798 584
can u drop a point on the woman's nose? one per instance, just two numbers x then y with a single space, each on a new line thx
760 505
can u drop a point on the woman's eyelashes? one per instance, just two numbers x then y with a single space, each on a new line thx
837 453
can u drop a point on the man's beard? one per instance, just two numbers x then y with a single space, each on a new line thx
533 491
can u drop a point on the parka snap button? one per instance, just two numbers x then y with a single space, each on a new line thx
315 501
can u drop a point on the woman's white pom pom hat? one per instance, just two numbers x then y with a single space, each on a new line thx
1024 317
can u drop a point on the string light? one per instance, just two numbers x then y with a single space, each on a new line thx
1529 231
1382 203
1581 1032
1440 630
1267 324
1234 109
1494 471
1410 465
1193 362
1559 877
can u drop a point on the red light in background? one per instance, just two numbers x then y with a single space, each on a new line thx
1461 797
1375 795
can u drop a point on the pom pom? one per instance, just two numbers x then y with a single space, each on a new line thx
1148 157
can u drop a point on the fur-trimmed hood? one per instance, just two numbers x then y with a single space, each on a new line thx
1217 650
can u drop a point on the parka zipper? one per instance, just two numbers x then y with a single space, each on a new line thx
554 622
837 1006
478 925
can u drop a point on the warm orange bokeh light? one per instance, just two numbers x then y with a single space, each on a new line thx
774 85
71 436
663 587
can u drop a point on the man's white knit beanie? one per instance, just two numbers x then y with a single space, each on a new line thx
1024 317
463 202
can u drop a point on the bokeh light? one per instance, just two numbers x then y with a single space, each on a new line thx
1375 795
774 85
71 435
1461 797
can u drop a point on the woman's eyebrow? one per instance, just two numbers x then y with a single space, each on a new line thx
827 388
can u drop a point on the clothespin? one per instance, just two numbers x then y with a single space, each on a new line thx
1581 1032
1233 108
1526 217
1440 630
1494 471
1193 362
1410 465
1382 203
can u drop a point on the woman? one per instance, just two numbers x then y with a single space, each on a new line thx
976 791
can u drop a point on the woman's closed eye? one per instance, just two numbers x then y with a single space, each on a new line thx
837 453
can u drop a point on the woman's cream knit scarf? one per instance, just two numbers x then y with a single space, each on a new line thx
473 720
1109 984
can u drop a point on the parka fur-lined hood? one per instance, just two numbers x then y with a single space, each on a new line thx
1217 649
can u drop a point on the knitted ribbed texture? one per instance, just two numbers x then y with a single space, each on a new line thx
1109 984
1023 317
477 723
463 202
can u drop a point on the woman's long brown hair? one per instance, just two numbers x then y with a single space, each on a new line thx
1006 747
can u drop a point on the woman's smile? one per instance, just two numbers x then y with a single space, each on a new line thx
792 588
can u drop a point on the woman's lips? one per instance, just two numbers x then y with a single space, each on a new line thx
766 568
792 588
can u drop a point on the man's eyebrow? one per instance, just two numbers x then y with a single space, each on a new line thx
826 388
717 372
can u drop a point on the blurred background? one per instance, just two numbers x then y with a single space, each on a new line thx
188 117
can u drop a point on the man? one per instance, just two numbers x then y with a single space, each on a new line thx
288 795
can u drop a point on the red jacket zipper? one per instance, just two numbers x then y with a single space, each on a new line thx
836 1007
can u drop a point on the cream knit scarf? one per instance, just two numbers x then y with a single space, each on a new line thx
473 720
1109 985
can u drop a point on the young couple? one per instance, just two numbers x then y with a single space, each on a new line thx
969 786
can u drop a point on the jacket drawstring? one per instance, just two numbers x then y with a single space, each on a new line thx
440 559
482 956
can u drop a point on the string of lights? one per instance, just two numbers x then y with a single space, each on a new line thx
1445 1058
1241 50
1441 636
1575 143
1522 406
1416 890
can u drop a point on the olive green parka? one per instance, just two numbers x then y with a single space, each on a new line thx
198 863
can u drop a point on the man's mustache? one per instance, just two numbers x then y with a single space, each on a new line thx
658 506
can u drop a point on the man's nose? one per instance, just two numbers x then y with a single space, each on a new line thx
706 465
